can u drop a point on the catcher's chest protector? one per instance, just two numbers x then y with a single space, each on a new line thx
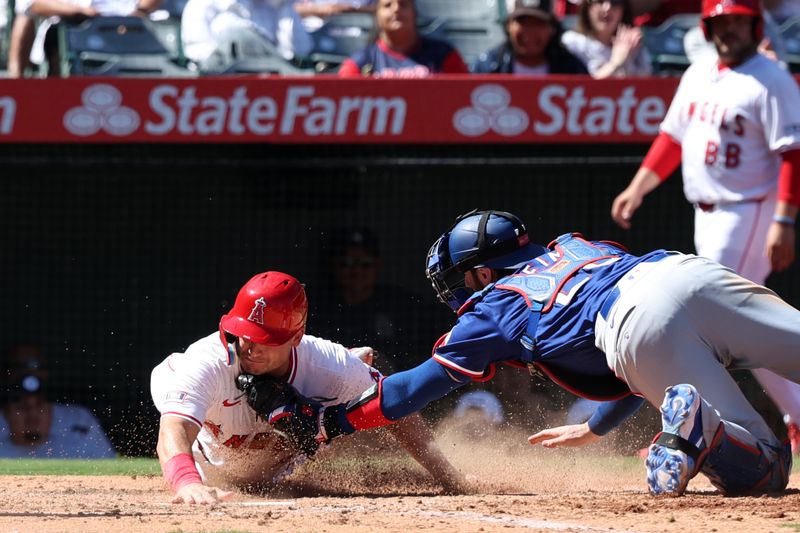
540 283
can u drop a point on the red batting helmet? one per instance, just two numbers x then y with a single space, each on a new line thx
715 8
269 309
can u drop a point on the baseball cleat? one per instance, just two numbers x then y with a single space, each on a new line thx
669 469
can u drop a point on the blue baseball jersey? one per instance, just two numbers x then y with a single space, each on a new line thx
491 331
431 56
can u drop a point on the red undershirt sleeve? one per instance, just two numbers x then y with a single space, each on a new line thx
789 178
664 156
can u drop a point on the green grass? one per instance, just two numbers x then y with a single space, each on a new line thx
123 466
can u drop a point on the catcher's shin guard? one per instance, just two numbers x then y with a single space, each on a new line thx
734 467
675 454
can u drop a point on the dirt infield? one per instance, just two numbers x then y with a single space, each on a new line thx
515 488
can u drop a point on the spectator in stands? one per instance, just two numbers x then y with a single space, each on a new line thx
314 12
29 46
20 42
606 42
33 426
533 45
360 309
782 10
213 31
399 50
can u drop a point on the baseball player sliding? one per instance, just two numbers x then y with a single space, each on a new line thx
735 125
607 325
209 435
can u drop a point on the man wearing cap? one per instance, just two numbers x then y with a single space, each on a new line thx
209 435
533 44
33 426
357 307
733 128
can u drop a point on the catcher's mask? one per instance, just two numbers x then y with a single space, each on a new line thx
493 239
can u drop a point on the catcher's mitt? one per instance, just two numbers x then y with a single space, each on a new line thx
265 393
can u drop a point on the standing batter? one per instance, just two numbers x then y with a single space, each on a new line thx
606 325
209 436
735 125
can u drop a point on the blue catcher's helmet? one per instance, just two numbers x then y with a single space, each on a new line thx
493 239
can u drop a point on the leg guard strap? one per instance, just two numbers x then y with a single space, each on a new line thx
676 442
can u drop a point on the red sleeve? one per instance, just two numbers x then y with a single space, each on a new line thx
789 178
349 69
454 64
664 156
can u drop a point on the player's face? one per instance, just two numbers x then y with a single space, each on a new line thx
471 281
605 16
733 37
529 36
357 273
395 15
261 359
28 420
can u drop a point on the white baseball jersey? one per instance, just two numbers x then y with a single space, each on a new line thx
732 124
234 446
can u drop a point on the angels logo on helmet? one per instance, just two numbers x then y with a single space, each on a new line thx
257 314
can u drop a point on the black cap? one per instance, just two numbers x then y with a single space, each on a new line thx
357 236
531 8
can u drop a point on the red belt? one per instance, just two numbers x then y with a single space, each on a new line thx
706 207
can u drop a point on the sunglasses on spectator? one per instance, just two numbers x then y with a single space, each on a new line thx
350 262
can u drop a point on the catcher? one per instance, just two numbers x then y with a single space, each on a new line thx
209 433
607 325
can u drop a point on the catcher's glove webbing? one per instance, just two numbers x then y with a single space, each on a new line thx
265 393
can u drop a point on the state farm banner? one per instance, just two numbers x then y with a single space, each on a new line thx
303 110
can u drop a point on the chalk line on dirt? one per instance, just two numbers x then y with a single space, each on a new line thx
465 515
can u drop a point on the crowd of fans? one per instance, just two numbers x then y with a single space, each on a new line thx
604 38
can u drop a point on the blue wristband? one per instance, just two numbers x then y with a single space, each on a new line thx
783 219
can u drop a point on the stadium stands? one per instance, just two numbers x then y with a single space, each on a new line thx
6 17
131 46
790 31
429 11
246 52
568 22
471 37
339 37
665 44
117 46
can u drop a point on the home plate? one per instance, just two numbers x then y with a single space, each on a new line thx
272 503
285 503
